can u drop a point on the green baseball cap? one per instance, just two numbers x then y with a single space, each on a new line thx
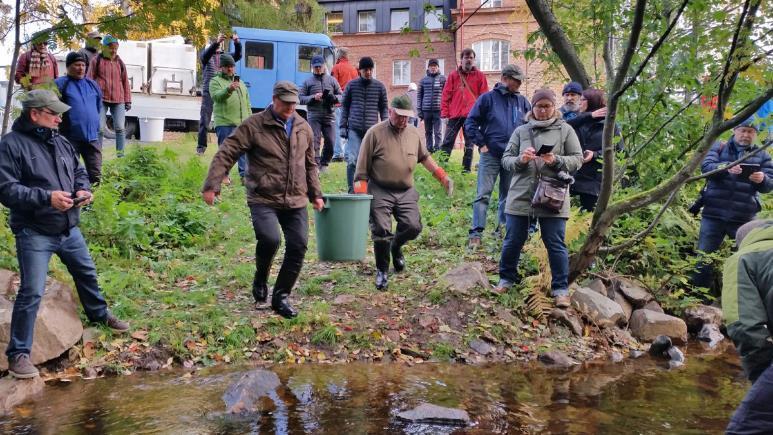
402 105
43 99
286 91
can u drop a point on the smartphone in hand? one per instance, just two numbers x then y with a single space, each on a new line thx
237 78
79 200
545 149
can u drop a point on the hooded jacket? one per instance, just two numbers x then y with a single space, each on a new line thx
458 98
590 132
229 108
318 84
365 101
494 117
747 300
566 148
34 161
429 92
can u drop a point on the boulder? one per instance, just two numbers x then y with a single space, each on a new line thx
660 346
428 413
6 282
599 287
57 327
653 306
710 334
481 346
14 392
636 293
647 325
675 356
465 277
699 315
624 304
248 393
599 309
556 359
571 321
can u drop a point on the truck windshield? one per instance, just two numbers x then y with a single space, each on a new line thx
306 52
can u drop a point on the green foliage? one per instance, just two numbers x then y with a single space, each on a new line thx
297 15
443 352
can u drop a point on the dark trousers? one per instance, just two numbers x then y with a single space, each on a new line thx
755 413
34 251
432 130
205 118
712 233
403 205
324 131
587 201
266 221
452 130
91 151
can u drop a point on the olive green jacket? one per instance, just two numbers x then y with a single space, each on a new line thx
524 182
229 108
747 300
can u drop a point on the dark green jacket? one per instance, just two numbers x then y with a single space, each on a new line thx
747 300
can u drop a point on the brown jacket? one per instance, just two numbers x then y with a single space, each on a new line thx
277 175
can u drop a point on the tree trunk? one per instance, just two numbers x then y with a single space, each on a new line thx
14 61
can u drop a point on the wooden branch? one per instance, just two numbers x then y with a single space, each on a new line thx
746 156
728 77
747 111
75 26
662 126
633 240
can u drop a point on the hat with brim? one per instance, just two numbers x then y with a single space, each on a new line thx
317 61
286 91
514 72
43 99
402 105
93 35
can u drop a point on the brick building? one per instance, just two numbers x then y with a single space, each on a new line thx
402 35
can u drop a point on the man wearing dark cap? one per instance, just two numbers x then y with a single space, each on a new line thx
321 93
364 105
210 63
491 122
231 104
37 66
572 93
428 103
44 186
389 154
91 47
80 125
730 197
281 180
748 311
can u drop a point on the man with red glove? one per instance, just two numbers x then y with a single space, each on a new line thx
389 153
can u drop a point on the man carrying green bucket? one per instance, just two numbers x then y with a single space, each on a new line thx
389 153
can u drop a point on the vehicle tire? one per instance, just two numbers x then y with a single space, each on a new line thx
109 133
132 128
192 125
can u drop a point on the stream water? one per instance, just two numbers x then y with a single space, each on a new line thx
635 396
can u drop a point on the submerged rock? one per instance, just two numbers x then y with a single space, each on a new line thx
710 334
676 357
599 309
14 392
246 394
428 413
700 315
646 325
556 359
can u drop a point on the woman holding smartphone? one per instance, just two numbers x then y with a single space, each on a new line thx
545 146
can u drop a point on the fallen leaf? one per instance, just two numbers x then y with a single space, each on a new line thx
140 335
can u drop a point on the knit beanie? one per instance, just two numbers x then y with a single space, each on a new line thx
543 94
73 57
227 60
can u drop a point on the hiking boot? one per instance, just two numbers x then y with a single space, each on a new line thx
382 280
260 292
502 287
20 367
116 324
200 151
281 306
473 243
562 301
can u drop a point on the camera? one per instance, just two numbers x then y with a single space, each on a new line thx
565 177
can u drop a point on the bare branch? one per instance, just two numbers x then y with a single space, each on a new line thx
747 111
664 125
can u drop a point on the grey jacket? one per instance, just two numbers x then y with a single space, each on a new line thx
524 182
323 109
364 102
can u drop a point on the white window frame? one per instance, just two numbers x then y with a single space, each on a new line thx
491 4
405 68
441 65
432 17
486 51
360 21
396 23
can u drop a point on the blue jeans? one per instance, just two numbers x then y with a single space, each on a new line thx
710 238
222 132
553 232
338 147
489 168
33 252
755 414
352 152
118 113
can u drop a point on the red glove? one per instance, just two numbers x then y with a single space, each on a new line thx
361 187
448 184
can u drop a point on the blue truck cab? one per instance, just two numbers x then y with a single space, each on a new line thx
272 55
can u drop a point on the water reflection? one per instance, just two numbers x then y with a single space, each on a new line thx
638 395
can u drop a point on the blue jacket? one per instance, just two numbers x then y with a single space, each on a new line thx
430 91
320 83
84 96
35 161
728 196
494 117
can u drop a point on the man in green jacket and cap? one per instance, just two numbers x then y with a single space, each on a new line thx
231 105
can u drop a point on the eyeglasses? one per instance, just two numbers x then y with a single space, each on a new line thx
50 112
543 107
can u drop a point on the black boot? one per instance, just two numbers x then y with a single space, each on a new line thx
281 306
259 290
467 160
381 252
398 260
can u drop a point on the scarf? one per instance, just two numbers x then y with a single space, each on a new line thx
39 63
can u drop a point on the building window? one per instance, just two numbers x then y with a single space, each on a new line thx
335 22
306 52
400 19
441 65
432 19
492 54
366 21
401 72
259 55
491 4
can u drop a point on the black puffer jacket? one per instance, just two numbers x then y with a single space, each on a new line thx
590 131
728 196
430 91
35 161
318 84
364 101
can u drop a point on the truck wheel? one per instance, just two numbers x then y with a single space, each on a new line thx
192 125
132 128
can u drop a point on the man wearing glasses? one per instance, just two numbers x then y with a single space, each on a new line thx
44 185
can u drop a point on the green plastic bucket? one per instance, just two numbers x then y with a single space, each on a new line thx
342 227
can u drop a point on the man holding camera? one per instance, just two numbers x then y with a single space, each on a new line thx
210 62
231 104
321 93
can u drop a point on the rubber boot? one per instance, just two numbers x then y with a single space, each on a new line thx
381 252
467 160
259 289
398 259
279 302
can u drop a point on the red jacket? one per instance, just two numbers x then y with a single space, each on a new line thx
457 99
343 71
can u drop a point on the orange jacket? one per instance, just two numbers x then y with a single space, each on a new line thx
343 71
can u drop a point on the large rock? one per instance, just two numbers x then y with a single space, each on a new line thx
571 321
428 413
624 304
6 282
600 287
14 392
598 308
710 334
700 315
646 325
466 277
633 291
248 393
57 327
